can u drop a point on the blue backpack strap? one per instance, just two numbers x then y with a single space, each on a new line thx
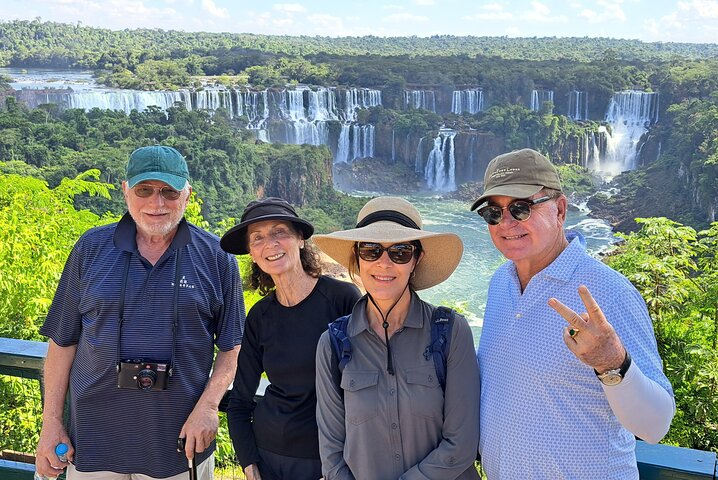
341 347
441 322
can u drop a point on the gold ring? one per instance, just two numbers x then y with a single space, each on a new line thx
572 332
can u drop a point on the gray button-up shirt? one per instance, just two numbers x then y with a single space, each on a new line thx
402 426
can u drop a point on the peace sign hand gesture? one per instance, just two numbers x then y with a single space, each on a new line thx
589 335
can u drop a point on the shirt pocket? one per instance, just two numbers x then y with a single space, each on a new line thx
361 395
427 398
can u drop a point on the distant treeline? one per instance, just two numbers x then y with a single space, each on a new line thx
67 45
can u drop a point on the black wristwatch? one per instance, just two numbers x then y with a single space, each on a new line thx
615 376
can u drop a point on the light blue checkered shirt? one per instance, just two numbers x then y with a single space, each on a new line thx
544 414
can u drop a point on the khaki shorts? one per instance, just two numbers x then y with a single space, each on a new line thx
205 471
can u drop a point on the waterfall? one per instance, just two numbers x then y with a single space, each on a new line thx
440 171
355 141
418 158
212 99
471 101
538 97
359 98
424 99
630 113
578 105
125 100
393 147
322 104
472 159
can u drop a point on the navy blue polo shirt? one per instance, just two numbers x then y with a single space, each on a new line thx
132 430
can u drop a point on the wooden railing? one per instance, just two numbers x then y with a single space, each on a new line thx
23 358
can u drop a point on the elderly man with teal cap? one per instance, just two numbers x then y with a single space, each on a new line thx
140 307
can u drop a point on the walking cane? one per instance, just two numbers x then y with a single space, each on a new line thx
190 463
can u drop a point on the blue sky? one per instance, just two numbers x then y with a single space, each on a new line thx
648 20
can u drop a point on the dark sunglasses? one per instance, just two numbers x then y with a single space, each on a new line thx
399 253
519 209
144 191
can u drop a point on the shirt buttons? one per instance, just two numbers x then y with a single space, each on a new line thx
518 315
351 383
397 457
394 426
391 392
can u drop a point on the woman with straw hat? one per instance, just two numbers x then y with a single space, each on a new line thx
384 415
276 439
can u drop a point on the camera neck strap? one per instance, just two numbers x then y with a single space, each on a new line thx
175 309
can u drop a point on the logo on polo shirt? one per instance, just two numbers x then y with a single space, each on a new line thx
183 283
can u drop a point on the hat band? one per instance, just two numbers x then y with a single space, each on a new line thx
388 215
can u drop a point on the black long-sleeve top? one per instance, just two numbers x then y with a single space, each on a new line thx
282 341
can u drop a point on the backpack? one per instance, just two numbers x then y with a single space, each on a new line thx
441 322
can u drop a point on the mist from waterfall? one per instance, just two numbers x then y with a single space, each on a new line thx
630 113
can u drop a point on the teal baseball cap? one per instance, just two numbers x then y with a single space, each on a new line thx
157 162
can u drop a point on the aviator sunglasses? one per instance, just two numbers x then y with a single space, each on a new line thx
144 190
399 253
519 209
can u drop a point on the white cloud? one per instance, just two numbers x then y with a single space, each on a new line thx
606 11
491 12
210 7
707 9
404 17
424 3
692 21
289 8
491 16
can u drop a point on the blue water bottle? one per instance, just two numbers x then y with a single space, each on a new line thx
61 452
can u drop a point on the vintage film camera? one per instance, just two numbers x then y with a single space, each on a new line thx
143 374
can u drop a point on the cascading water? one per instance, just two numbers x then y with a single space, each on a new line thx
630 113
577 105
440 171
424 99
538 97
355 98
470 101
355 141
123 100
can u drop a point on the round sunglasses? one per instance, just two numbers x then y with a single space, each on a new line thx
144 191
399 253
519 209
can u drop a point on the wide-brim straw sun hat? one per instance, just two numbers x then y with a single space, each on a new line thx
270 208
391 220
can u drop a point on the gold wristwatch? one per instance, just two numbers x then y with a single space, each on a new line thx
615 376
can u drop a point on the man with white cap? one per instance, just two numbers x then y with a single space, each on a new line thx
139 310
570 370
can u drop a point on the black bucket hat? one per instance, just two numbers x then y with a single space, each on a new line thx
270 208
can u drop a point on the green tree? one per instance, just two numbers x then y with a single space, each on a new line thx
40 226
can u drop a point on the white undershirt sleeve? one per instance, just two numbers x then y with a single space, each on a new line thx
642 406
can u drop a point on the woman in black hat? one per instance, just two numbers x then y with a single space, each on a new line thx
277 437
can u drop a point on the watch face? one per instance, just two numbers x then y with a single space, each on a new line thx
610 378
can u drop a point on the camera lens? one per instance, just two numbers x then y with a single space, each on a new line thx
146 379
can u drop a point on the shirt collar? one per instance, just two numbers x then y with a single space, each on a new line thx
570 256
125 237
360 322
